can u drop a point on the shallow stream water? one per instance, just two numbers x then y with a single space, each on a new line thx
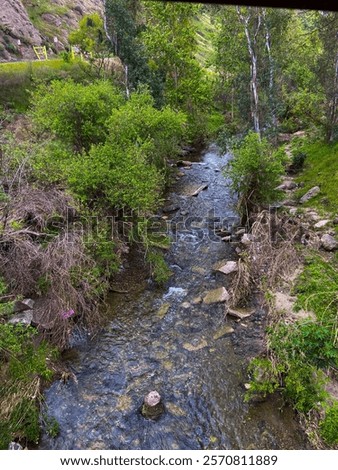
163 339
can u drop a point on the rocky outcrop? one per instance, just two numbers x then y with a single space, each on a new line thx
55 18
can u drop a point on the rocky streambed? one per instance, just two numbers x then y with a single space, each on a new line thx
177 341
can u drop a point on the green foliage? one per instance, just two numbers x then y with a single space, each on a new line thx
90 34
52 426
158 266
255 172
329 425
115 176
306 341
18 79
23 357
138 123
24 422
304 386
75 113
264 378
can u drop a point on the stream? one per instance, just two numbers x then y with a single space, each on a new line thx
164 340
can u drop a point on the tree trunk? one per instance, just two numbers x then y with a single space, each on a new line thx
251 42
333 107
271 71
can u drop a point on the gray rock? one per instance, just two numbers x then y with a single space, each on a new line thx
310 194
226 268
24 318
171 208
246 239
287 185
14 446
241 313
195 346
328 242
22 305
216 296
321 224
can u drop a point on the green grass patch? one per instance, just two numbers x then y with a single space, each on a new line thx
18 79
24 363
317 288
321 169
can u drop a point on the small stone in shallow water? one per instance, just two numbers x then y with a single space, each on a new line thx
195 347
197 300
227 267
152 407
186 305
198 270
241 313
175 409
215 296
223 331
162 311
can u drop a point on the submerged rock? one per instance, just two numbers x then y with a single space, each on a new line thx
152 407
310 194
223 331
216 296
14 446
195 347
162 311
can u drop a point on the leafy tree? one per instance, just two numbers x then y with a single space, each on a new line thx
170 41
75 113
90 36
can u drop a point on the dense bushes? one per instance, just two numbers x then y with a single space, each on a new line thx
255 172
75 113
117 149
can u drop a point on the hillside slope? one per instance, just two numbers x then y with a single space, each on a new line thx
28 23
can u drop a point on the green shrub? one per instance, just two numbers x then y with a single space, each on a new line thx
158 266
115 176
76 114
264 380
255 172
307 340
304 386
139 122
24 361
329 425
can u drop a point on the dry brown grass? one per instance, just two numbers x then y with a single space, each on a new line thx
271 257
